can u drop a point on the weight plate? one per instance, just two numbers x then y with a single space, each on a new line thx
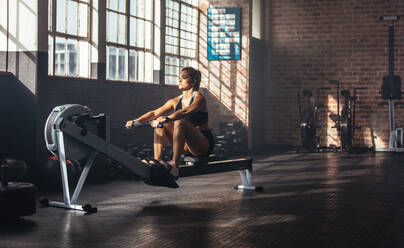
16 206
17 189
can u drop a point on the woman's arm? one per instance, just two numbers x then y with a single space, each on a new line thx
199 104
154 114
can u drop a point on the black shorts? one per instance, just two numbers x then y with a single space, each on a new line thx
209 136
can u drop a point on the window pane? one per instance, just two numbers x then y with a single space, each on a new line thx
72 15
140 8
71 59
83 20
61 16
156 61
171 80
50 55
157 40
176 6
113 4
132 33
122 6
157 12
140 30
122 29
183 63
111 63
149 10
141 65
122 64
148 67
133 7
112 22
60 50
148 35
84 59
132 65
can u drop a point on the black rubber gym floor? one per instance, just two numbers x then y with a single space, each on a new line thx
309 200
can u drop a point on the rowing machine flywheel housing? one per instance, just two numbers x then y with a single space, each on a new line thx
74 149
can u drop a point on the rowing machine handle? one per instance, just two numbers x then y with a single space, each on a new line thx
143 124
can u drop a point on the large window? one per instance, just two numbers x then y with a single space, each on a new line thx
181 37
132 41
69 38
130 50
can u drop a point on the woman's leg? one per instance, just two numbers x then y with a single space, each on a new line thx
161 136
186 135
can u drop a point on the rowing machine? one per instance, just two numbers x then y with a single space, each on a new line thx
72 132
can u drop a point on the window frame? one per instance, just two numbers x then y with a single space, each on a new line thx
151 51
54 34
127 46
179 56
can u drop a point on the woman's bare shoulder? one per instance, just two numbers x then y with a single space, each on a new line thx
199 94
174 101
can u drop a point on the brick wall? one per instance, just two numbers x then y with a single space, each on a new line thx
318 41
226 81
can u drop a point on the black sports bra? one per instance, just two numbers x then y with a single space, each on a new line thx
197 118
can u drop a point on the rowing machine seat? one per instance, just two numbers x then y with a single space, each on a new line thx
190 160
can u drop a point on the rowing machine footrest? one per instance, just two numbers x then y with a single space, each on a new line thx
159 176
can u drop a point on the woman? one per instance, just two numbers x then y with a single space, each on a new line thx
186 128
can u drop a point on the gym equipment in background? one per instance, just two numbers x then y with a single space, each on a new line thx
73 132
308 122
347 121
17 170
306 119
230 141
391 90
17 199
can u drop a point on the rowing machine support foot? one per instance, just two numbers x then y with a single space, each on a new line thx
246 179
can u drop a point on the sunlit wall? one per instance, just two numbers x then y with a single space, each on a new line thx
19 39
227 81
